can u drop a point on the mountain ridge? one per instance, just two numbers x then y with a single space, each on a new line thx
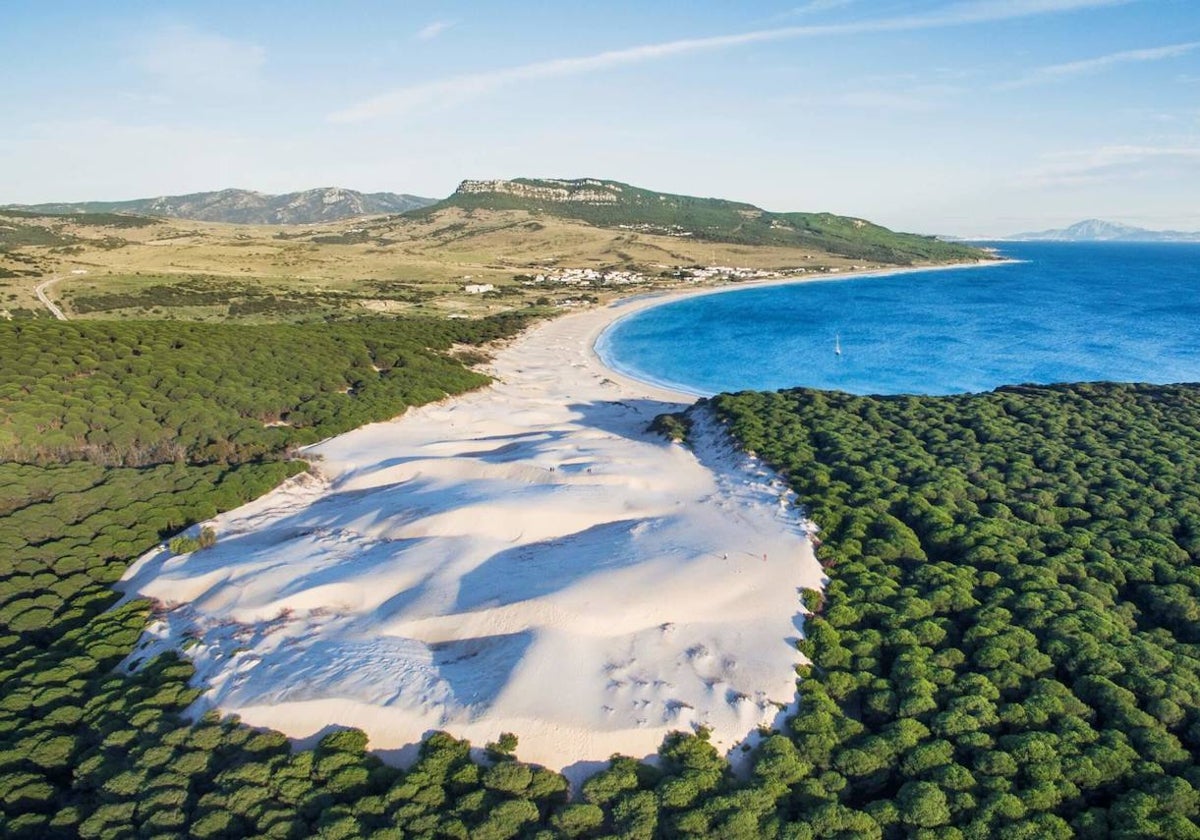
239 206
1099 230
612 204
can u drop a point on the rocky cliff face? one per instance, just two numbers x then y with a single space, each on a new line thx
582 191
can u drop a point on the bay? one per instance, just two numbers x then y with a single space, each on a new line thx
1063 312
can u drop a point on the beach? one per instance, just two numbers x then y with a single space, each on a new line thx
524 558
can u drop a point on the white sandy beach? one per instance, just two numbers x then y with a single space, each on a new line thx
524 558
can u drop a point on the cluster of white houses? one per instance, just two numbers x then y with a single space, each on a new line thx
726 272
616 277
588 277
662 230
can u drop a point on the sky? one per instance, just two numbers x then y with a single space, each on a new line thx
955 117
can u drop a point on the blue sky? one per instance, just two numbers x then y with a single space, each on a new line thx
942 116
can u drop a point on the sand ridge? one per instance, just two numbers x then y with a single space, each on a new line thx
523 558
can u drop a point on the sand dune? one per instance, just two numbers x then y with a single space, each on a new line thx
524 558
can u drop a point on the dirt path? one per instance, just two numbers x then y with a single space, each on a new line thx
40 291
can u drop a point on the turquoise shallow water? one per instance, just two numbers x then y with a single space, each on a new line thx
1065 313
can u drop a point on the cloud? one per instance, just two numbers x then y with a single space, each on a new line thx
184 59
456 89
1058 72
986 10
1109 163
431 31
813 7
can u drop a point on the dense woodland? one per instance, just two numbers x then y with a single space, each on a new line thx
116 436
1008 646
1008 642
141 393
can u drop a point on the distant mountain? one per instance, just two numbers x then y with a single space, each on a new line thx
612 204
326 204
1095 230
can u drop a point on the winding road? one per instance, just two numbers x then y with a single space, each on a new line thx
40 291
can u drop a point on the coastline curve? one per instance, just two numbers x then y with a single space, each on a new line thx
527 557
631 307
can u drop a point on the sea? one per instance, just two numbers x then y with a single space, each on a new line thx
1059 312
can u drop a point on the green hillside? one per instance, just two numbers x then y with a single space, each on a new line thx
613 204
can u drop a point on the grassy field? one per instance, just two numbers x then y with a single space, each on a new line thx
112 267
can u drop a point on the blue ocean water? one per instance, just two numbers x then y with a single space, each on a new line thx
1067 312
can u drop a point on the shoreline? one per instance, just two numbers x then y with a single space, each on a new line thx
523 558
639 303
526 557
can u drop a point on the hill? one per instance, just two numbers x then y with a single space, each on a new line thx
1097 230
325 204
483 250
611 204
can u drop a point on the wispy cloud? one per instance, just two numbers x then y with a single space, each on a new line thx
1071 69
456 89
1108 163
813 7
1000 9
184 59
431 31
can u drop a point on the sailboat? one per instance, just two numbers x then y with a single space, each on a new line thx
837 345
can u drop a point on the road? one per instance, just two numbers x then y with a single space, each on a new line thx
40 291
